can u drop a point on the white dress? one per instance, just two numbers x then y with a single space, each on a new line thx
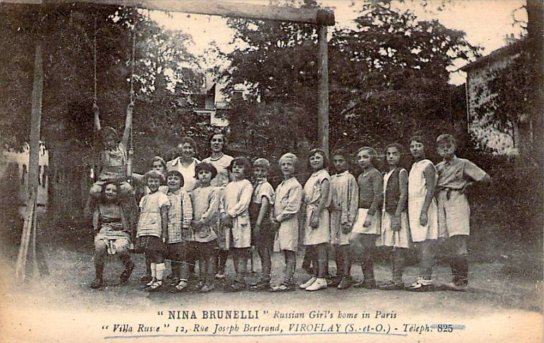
417 189
390 238
312 197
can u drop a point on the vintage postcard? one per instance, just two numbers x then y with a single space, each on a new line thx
263 171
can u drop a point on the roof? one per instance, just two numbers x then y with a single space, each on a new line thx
508 50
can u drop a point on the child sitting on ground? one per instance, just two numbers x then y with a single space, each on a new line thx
113 234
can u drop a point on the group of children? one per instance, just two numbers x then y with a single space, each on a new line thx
396 210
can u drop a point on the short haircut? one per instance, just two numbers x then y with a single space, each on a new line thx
187 139
159 159
103 191
263 163
178 174
153 174
109 131
241 161
446 137
289 156
206 167
225 142
417 138
340 152
397 146
320 152
373 154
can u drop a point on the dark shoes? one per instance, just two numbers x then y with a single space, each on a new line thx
392 286
97 283
345 283
261 285
236 286
146 279
367 284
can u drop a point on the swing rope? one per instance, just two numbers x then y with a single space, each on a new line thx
95 95
131 95
95 158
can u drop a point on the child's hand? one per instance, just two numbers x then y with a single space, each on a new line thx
466 187
368 220
395 223
346 228
314 220
257 228
423 219
275 225
226 221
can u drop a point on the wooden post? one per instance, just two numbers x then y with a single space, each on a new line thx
33 167
323 90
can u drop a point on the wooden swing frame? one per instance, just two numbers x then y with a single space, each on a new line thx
320 17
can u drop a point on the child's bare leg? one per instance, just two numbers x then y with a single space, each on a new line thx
426 258
327 254
459 261
243 256
266 260
210 267
307 262
235 261
222 257
398 264
202 268
356 247
322 260
124 256
339 259
183 265
344 251
311 251
368 243
100 251
290 265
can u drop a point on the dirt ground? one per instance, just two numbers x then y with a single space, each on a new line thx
499 305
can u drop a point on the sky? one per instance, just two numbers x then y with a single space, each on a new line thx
486 22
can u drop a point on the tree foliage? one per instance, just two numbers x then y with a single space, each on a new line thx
165 74
390 76
277 65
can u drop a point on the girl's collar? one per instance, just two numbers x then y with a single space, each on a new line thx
221 154
318 171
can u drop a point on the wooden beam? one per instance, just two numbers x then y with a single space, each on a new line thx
29 227
225 9
323 90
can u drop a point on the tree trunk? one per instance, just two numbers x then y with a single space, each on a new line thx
535 29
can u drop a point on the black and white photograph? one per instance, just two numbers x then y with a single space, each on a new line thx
271 170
